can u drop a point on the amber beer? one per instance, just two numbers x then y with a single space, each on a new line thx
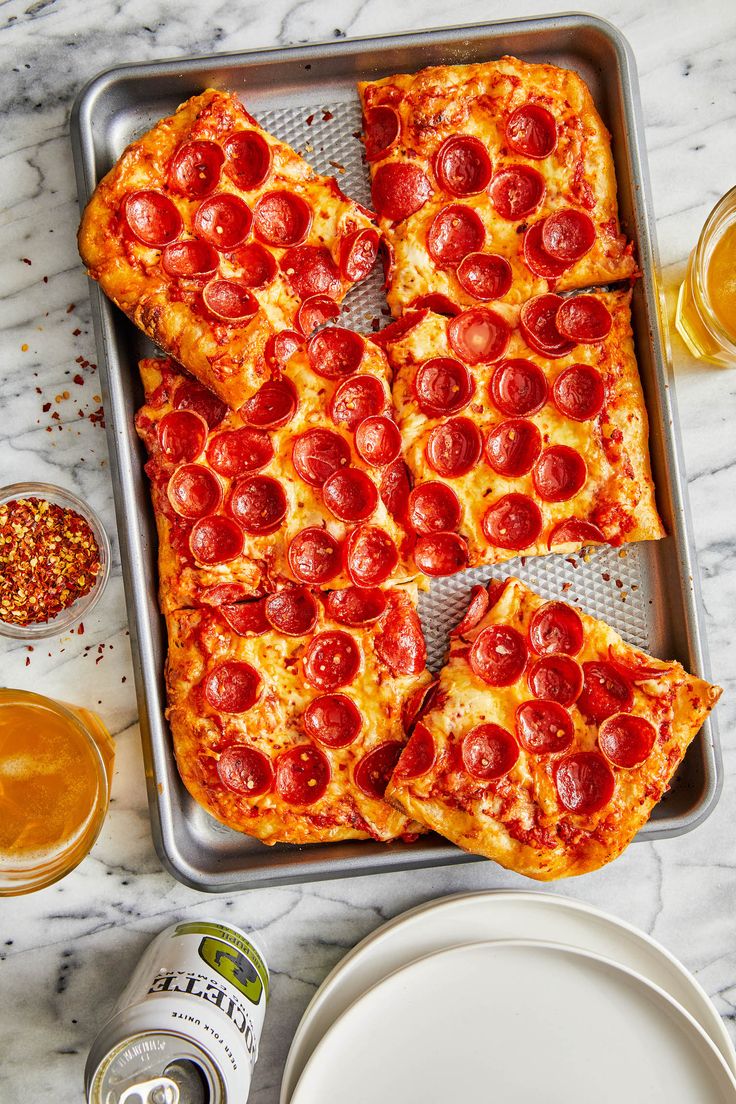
187 1027
706 306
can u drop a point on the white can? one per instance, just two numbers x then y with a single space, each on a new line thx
186 1028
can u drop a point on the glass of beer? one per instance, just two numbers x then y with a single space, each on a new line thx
55 768
706 306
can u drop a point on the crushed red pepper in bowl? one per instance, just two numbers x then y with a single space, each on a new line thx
54 560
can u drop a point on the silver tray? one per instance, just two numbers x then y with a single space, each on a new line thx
649 592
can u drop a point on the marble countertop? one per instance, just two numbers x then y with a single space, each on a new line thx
66 952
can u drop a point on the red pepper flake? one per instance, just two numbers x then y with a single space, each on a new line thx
97 417
70 308
80 629
28 661
79 379
46 407
48 558
310 120
45 279
124 678
76 333
326 116
26 260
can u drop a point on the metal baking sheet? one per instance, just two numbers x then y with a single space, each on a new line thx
649 592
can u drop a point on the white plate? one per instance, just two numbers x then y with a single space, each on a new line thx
477 917
517 1022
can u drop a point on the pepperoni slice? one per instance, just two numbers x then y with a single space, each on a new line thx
302 775
498 655
575 531
395 489
579 392
318 454
513 446
331 661
314 312
274 404
544 727
606 691
282 219
335 352
194 491
381 129
371 556
476 611
256 266
378 441
396 331
627 740
152 218
350 494
568 235
462 165
292 612
454 232
518 387
434 507
484 275
333 720
373 772
536 256
443 386
193 259
517 191
556 678
357 398
418 703
311 270
233 687
239 450
400 643
418 757
356 606
584 782
246 618
435 302
216 540
399 190
559 473
249 159
245 770
314 556
556 628
454 447
280 347
441 554
229 300
537 324
636 666
479 335
224 221
196 167
489 752
531 130
584 319
513 522
191 395
223 594
259 503
182 435
358 253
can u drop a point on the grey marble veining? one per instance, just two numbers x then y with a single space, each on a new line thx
65 952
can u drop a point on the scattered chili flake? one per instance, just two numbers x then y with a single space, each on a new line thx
70 308
46 407
26 260
309 120
97 417
79 380
45 279
77 332
48 558
326 116
28 661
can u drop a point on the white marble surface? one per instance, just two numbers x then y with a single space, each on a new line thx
66 951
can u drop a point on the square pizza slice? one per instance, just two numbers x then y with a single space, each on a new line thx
305 483
522 439
212 235
492 181
288 714
548 740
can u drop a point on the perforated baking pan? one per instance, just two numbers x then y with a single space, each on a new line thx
306 95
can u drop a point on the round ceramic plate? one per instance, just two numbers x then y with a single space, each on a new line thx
515 1021
478 917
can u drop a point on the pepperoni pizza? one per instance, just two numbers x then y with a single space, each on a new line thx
212 235
299 485
522 440
288 713
491 181
548 740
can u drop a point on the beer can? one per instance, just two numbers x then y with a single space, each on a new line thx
186 1028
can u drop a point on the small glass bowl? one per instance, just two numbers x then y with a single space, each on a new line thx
81 608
